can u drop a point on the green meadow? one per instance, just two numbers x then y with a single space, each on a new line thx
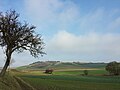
70 79
65 76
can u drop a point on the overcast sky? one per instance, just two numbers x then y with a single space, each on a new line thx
73 30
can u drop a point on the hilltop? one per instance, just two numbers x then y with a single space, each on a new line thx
61 65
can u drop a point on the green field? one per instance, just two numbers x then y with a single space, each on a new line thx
80 72
11 82
71 80
62 79
72 83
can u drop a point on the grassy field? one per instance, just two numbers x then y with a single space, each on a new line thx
10 82
71 79
80 72
73 83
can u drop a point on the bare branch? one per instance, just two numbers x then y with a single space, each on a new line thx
17 36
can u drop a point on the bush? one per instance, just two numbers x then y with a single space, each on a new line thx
113 68
85 72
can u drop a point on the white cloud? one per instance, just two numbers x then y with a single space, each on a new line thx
100 20
93 20
40 8
91 44
49 8
114 25
66 15
58 12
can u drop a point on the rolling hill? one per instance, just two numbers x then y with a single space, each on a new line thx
61 65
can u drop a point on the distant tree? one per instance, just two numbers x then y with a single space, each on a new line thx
113 68
85 72
17 36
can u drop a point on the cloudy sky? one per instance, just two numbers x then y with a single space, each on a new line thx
73 30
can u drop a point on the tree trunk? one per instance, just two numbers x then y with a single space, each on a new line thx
5 66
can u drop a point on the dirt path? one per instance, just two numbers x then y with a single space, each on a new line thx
23 84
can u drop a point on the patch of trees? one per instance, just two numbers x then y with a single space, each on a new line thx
113 68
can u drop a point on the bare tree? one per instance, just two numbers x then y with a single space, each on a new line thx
17 36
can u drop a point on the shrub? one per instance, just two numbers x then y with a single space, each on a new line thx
85 72
113 68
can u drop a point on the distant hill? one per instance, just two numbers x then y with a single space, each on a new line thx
61 65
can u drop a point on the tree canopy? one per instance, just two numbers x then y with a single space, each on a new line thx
113 68
17 36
